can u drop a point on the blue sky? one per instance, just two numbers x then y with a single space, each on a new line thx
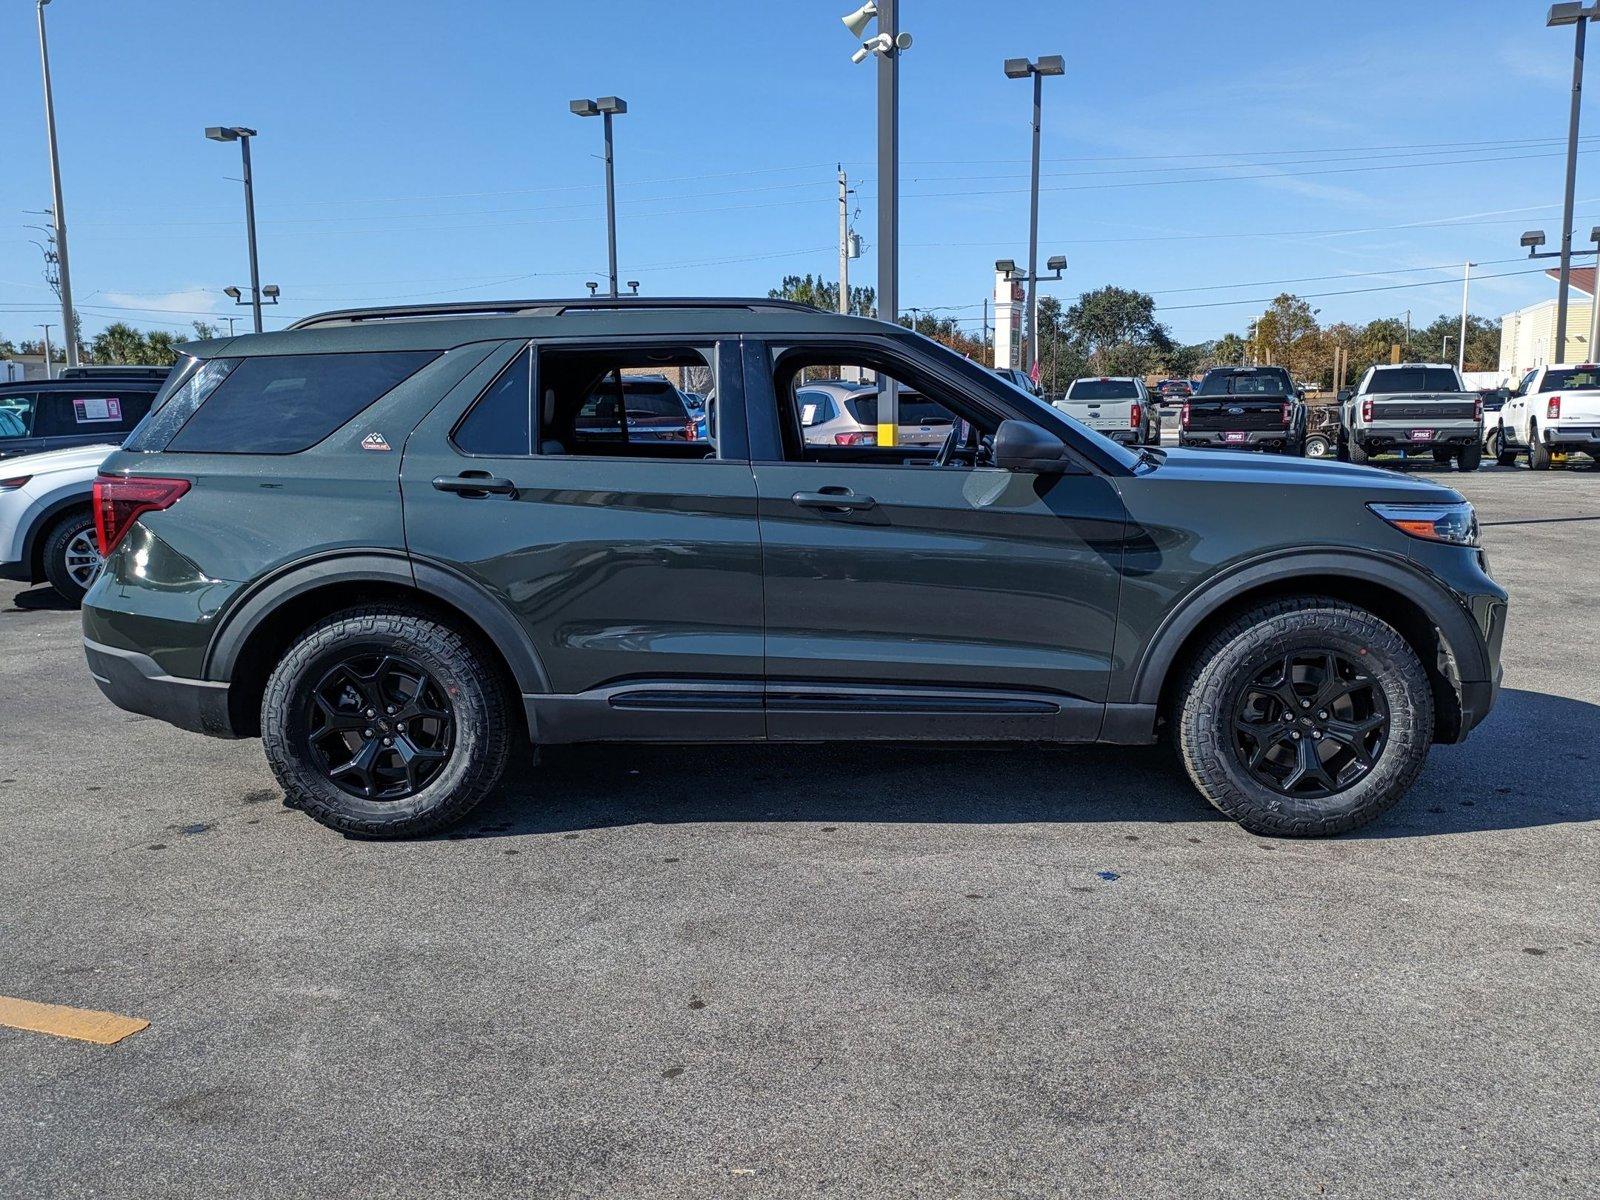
414 151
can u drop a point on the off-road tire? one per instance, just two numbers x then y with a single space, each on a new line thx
1443 456
1235 654
479 695
1357 454
1538 454
1504 455
55 554
1469 458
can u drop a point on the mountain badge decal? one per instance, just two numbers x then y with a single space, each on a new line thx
374 441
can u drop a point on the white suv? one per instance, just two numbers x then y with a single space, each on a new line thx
1555 408
47 520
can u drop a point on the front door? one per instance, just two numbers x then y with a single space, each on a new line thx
631 562
916 591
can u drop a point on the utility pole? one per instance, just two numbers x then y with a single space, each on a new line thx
1461 344
844 243
1408 331
986 327
48 371
58 211
889 204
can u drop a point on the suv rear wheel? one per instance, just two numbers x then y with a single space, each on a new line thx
1305 716
72 560
384 722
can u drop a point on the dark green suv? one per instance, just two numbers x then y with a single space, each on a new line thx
391 542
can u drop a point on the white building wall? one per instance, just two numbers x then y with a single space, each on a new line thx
1527 337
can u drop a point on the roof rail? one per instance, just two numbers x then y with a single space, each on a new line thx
540 308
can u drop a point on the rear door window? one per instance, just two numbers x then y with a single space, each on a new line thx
286 403
16 415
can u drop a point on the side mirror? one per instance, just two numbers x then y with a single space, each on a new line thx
1024 446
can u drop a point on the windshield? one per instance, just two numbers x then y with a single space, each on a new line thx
1572 379
1393 380
1103 389
1244 383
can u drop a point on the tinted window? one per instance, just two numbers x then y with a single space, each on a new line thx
16 415
1577 379
816 407
1103 389
1245 383
1392 380
498 424
104 412
915 409
285 403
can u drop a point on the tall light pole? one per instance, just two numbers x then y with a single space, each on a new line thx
1022 68
607 107
1577 15
1461 343
887 45
238 133
58 211
47 367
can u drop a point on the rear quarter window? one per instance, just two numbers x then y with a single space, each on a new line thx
283 403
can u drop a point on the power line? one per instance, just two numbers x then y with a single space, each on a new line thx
1394 287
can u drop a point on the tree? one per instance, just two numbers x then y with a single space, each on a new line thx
820 293
1483 341
1118 331
1288 334
1061 360
1229 350
120 343
204 330
947 331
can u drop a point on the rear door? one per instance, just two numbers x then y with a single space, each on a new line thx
632 565
905 599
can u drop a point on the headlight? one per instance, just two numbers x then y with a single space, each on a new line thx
1453 523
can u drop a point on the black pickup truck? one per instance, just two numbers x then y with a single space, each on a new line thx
1245 408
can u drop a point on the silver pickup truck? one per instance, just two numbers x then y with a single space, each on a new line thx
1413 408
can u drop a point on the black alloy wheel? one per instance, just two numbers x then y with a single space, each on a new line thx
379 726
1310 724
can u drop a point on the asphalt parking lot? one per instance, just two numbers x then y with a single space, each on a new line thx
801 971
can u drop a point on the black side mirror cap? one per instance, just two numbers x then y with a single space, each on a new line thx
1024 446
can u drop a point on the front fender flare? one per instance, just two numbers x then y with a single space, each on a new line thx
1454 623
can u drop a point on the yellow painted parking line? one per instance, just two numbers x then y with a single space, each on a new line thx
86 1025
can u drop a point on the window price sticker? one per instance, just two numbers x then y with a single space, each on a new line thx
92 410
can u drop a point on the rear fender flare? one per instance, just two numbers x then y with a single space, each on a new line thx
241 620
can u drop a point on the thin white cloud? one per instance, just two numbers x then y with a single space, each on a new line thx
186 301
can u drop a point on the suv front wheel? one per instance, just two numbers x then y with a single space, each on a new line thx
1305 716
385 722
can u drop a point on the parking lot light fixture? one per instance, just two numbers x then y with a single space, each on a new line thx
606 107
1578 16
238 133
1022 68
1533 239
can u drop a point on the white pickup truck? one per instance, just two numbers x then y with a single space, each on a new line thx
1118 407
1555 409
1413 408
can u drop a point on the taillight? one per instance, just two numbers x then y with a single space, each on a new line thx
1552 410
855 439
12 484
1477 409
688 430
1184 418
119 502
1286 413
1366 410
1133 415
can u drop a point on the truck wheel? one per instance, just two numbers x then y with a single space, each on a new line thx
1538 455
1305 716
383 722
72 559
1357 454
1470 457
1442 456
1504 455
